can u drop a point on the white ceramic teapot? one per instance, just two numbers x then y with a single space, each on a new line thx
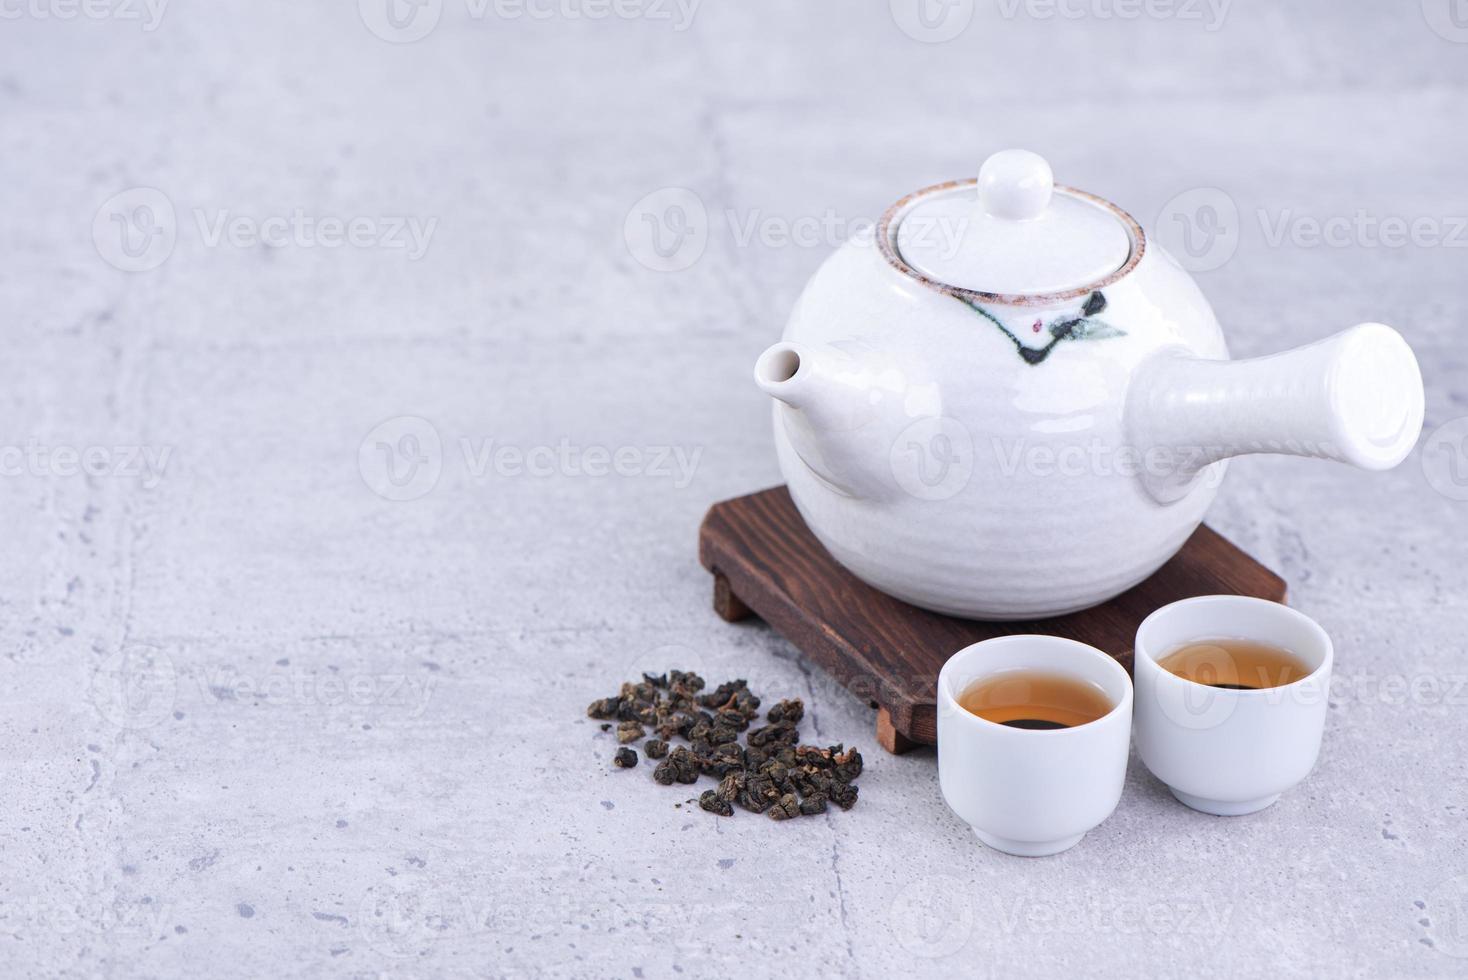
1014 404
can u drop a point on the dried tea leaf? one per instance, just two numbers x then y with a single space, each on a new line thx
788 807
770 773
780 733
848 765
713 803
843 795
791 710
681 766
732 785
604 708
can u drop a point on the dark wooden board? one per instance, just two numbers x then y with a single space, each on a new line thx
766 563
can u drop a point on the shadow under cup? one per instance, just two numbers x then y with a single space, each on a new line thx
1225 751
1023 791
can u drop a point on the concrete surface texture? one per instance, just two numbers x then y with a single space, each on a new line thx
317 315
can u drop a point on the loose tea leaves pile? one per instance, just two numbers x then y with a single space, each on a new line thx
771 773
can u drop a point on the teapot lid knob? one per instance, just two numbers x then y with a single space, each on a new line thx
1016 184
1019 235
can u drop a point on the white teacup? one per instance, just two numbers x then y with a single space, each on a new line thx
1229 752
1023 791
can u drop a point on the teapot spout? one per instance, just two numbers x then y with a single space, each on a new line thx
786 371
832 407
1355 397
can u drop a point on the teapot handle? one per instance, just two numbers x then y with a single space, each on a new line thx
1355 397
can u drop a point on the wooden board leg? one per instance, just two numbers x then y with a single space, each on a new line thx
889 738
728 605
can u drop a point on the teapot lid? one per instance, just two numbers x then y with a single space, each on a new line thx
1019 234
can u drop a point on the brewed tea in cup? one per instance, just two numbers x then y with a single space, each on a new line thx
1231 701
1035 699
1033 733
1235 664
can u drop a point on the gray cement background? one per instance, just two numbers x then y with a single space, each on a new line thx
263 721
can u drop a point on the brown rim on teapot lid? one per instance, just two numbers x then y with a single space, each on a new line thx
1011 234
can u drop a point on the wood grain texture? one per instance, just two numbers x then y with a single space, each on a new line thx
888 653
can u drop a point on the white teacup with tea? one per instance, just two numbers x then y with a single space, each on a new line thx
1231 700
1032 740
